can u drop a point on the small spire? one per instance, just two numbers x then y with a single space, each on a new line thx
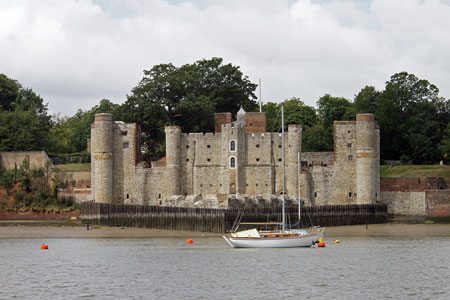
241 115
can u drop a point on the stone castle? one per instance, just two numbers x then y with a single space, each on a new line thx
240 158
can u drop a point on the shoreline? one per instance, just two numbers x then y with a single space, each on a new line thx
10 230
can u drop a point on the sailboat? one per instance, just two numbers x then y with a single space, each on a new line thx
283 238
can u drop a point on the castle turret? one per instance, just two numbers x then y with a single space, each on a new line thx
173 142
102 153
294 146
366 157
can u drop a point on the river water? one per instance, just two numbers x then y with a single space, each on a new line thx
169 268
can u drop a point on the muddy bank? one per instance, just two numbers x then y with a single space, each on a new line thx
80 231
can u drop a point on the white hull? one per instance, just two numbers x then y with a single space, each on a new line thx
284 242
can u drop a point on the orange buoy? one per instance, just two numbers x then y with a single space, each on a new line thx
321 244
44 246
189 241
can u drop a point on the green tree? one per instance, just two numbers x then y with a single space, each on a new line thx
366 100
445 143
412 118
317 139
186 96
23 131
9 89
332 109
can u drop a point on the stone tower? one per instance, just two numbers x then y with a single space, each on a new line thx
294 146
102 158
366 159
173 163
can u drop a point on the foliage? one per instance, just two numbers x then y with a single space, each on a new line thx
23 130
366 100
412 118
332 109
24 123
29 189
9 89
445 143
187 96
317 139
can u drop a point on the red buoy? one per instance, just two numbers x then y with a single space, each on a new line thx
321 244
189 241
44 246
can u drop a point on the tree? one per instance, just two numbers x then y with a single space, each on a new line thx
332 109
317 139
445 143
412 118
186 96
366 100
9 89
23 131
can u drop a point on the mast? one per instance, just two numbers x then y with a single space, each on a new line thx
299 171
260 99
284 171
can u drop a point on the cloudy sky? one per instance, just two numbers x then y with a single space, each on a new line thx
74 53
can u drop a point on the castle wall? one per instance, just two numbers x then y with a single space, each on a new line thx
234 160
343 183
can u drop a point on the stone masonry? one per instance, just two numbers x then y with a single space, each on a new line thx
240 158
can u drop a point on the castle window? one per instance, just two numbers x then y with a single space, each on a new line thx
209 160
279 159
349 145
349 194
279 146
257 159
256 184
187 159
124 132
257 145
128 196
315 194
232 162
126 145
159 197
376 194
232 146
209 146
350 158
187 146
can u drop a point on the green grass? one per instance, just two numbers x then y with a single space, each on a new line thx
74 167
404 171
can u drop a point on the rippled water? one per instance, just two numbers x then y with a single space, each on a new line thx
168 268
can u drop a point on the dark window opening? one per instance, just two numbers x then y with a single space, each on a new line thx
209 146
349 145
315 194
232 146
350 194
232 162
350 158
126 145
187 146
128 196
159 197
257 159
257 145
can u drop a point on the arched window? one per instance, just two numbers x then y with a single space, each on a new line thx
232 146
232 162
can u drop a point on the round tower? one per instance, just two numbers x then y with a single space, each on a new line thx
365 159
293 147
173 169
102 144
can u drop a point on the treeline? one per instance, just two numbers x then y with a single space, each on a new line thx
414 119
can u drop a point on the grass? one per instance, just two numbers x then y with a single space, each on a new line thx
74 167
404 171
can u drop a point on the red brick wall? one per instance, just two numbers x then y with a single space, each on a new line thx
221 118
437 203
255 122
419 184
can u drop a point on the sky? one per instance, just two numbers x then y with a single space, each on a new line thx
75 53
